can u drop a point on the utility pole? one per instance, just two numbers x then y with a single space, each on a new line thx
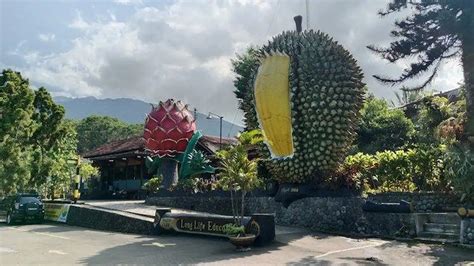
209 116
307 14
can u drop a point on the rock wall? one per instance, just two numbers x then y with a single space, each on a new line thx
342 215
422 202
467 231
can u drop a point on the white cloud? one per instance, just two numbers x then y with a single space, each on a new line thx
128 2
183 50
46 37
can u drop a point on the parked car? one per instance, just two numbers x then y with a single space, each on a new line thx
22 208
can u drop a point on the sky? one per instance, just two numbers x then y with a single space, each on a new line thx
155 50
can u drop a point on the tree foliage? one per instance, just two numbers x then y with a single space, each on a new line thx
238 173
408 96
94 131
16 109
435 31
35 141
439 120
244 66
382 128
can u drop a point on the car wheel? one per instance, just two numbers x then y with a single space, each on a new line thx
9 219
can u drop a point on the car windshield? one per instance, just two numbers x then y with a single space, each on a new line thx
29 200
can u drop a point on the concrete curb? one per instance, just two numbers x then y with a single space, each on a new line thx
109 220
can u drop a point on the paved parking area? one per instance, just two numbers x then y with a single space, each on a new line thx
58 244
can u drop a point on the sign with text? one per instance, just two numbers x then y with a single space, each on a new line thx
56 212
260 224
207 225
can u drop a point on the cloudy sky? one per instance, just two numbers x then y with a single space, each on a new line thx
154 50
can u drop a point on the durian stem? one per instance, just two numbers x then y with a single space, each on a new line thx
298 20
169 170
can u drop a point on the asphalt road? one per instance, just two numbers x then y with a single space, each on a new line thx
57 244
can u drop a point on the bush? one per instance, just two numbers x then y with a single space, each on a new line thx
419 168
355 173
382 128
460 170
198 184
440 121
153 184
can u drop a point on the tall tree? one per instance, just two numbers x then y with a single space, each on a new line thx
436 30
47 137
94 131
35 142
16 109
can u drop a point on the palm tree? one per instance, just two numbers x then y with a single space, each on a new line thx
238 173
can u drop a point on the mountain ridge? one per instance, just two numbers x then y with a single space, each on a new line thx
134 111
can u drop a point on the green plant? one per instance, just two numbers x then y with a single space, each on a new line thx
238 174
356 173
418 168
198 184
393 172
153 184
431 33
326 95
234 230
35 139
460 170
382 128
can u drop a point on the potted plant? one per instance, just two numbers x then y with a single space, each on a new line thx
238 174
237 236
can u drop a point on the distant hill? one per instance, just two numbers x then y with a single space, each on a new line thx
134 111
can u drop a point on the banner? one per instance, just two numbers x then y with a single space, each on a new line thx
56 212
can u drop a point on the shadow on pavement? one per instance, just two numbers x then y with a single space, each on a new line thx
441 254
175 249
310 260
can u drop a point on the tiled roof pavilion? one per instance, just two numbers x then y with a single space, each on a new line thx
136 146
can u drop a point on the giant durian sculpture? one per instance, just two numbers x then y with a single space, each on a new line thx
307 93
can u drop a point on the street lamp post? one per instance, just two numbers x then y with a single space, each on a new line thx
209 116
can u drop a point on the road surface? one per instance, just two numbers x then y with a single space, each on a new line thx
57 244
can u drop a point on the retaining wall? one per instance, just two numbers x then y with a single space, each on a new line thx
422 201
100 219
467 231
328 214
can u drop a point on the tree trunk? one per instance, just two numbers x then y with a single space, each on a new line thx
242 206
169 170
52 193
233 206
468 67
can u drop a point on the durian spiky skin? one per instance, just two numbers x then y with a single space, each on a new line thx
326 96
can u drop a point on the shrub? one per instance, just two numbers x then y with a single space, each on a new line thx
393 171
419 168
198 184
234 230
382 128
355 173
440 121
153 184
460 170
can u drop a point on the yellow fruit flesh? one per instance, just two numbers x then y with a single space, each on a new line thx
272 102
